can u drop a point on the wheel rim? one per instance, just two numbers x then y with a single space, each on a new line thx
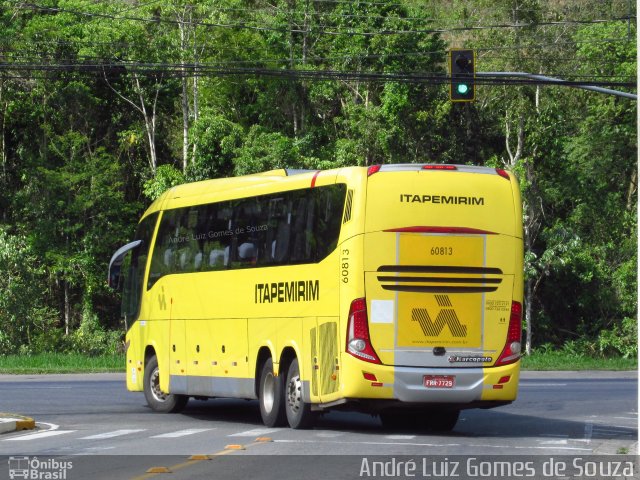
294 394
154 383
268 392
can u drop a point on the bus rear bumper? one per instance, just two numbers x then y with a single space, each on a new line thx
409 385
475 387
464 385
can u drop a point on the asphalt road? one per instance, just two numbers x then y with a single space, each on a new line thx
93 416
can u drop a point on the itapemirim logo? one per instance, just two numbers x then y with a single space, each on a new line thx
36 469
446 317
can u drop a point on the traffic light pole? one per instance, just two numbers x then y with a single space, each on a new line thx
555 80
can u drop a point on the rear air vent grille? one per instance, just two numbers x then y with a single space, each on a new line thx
348 206
439 269
435 284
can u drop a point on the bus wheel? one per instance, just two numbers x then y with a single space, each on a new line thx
299 414
156 398
271 397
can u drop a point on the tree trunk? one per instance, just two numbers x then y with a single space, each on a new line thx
149 119
196 107
185 94
3 145
514 158
527 316
67 307
633 188
149 123
185 125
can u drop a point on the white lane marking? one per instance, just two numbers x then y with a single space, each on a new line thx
182 433
46 388
52 426
554 439
553 442
93 450
410 444
329 434
35 436
115 433
400 437
256 432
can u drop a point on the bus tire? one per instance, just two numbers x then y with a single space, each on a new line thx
271 395
299 414
156 398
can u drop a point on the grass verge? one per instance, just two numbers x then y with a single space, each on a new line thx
568 361
78 363
61 363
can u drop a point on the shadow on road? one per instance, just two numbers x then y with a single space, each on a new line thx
495 423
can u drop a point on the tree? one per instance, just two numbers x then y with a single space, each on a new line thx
129 40
83 148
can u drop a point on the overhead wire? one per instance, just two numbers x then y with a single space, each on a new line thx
199 70
228 67
311 59
243 25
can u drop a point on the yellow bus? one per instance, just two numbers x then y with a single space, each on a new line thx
390 289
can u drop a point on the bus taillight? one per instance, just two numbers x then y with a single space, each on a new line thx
512 348
358 340
373 169
503 173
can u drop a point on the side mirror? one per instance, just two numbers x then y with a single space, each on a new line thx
115 265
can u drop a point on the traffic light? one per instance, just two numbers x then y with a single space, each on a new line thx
462 66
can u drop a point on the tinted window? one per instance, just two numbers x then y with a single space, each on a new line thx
134 268
299 226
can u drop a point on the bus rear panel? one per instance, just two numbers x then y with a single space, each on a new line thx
443 263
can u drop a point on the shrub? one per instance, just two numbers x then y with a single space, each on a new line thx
91 339
621 340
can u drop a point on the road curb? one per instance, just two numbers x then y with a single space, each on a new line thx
11 422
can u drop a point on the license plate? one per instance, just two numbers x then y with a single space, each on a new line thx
439 381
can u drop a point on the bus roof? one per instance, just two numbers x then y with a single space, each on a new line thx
258 183
222 188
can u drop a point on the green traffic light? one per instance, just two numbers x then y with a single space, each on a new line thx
462 88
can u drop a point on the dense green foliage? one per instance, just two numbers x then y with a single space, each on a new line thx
105 105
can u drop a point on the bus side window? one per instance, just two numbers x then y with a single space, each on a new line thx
197 261
298 232
216 230
280 245
293 227
166 252
169 255
219 257
247 252
327 222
